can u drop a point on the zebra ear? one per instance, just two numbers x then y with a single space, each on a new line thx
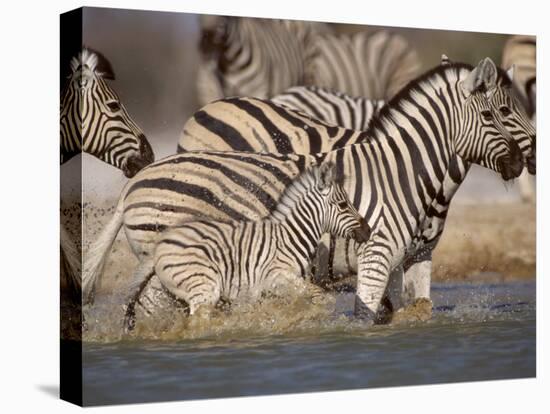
510 72
445 60
482 78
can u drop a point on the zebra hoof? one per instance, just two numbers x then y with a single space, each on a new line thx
418 311
385 312
363 312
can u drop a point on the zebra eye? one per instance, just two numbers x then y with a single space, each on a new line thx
505 111
342 205
487 115
113 106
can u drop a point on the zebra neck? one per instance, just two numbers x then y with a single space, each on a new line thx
299 243
414 136
70 124
303 227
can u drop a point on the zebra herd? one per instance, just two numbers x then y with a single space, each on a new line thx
260 176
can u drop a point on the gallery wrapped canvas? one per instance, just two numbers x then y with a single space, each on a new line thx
266 206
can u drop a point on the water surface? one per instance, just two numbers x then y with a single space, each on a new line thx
477 332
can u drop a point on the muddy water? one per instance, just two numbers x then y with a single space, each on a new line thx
477 332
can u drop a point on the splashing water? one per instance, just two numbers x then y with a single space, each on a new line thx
289 344
295 313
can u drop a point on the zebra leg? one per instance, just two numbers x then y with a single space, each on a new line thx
200 290
141 277
416 283
372 278
414 301
330 264
392 299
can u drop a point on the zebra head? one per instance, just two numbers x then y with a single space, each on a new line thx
94 120
342 218
483 138
514 118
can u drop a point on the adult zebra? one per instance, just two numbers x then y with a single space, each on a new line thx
200 261
520 51
401 178
94 120
243 57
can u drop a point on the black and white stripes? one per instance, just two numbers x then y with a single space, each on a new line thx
401 177
263 57
201 261
374 65
246 57
93 119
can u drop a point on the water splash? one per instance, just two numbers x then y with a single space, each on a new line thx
295 314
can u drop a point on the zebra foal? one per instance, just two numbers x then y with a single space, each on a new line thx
201 261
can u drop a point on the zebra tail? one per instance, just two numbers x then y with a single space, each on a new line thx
98 253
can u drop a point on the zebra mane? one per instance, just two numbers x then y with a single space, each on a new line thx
415 86
95 61
315 176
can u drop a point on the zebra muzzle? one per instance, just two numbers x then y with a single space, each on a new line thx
136 162
512 164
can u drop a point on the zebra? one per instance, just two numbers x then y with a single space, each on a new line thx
242 56
203 260
94 120
374 65
401 177
520 52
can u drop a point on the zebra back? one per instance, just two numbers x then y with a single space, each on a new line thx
255 125
333 108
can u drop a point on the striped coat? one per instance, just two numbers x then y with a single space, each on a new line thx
374 65
202 261
243 57
402 177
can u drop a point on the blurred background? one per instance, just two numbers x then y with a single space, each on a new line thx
155 55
